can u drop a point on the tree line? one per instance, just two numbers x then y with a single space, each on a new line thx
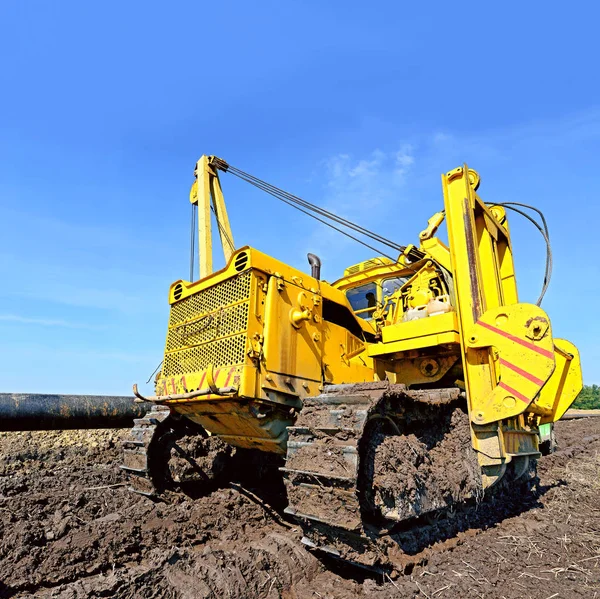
588 399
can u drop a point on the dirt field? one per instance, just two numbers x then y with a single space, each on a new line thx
69 528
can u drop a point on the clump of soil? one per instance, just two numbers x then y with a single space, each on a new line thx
415 474
69 528
195 458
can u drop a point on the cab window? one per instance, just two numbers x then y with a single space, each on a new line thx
390 286
363 299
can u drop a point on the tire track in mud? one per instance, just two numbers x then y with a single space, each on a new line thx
67 530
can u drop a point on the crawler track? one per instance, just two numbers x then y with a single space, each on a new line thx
163 454
143 452
365 460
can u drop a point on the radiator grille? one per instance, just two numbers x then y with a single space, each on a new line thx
209 327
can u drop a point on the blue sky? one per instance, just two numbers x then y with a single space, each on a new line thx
105 107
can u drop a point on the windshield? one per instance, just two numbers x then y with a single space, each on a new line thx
363 299
390 286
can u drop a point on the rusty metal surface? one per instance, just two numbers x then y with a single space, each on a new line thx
36 411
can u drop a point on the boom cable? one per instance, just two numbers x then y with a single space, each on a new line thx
222 229
308 208
317 212
543 229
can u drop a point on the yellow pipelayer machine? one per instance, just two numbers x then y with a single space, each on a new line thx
407 387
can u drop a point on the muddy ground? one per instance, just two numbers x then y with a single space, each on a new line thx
69 528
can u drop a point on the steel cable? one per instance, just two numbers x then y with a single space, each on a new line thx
293 205
222 229
295 200
543 229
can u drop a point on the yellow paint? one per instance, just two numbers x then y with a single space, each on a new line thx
426 332
277 335
564 385
205 187
509 356
260 329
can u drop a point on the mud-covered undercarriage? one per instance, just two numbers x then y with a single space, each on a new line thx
373 471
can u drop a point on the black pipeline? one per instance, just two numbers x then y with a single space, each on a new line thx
38 412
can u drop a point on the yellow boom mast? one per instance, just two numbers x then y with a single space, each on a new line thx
206 193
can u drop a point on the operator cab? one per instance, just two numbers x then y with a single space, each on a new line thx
365 299
389 292
369 286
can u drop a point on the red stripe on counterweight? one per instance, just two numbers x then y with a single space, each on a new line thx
229 376
202 380
531 346
514 392
522 372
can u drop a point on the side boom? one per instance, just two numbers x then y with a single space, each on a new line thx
513 367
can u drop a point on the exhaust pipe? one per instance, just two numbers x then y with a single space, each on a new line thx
315 266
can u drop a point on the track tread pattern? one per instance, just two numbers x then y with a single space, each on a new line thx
322 468
137 451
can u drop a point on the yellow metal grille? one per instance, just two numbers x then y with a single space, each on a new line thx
225 293
222 352
223 322
209 327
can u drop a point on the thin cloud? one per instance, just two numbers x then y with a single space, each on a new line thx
374 179
56 291
46 322
501 144
404 161
361 189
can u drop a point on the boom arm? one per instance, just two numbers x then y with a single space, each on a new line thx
206 187
512 364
